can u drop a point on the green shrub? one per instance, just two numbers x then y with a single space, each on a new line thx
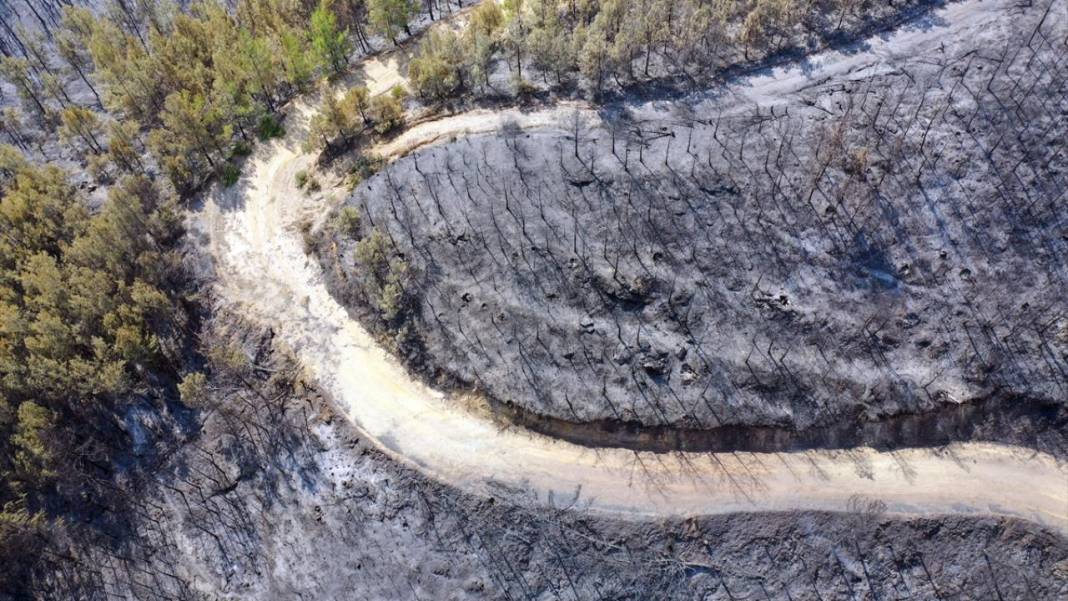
348 221
372 252
437 71
230 174
269 127
302 178
393 297
313 185
387 278
386 111
193 389
364 167
241 149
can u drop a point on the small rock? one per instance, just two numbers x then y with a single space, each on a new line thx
689 376
474 585
586 325
655 365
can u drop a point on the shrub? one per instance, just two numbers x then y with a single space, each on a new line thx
524 88
386 279
364 167
302 178
193 389
313 185
34 454
437 71
348 221
372 252
98 166
228 357
269 127
230 174
309 241
393 297
241 149
354 106
856 162
386 111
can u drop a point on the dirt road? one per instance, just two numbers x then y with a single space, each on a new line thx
252 231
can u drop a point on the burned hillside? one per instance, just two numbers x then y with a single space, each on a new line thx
782 252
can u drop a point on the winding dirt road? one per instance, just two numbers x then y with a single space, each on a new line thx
252 231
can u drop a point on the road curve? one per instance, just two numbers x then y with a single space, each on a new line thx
252 232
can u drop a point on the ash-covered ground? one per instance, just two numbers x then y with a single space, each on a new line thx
845 240
279 498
